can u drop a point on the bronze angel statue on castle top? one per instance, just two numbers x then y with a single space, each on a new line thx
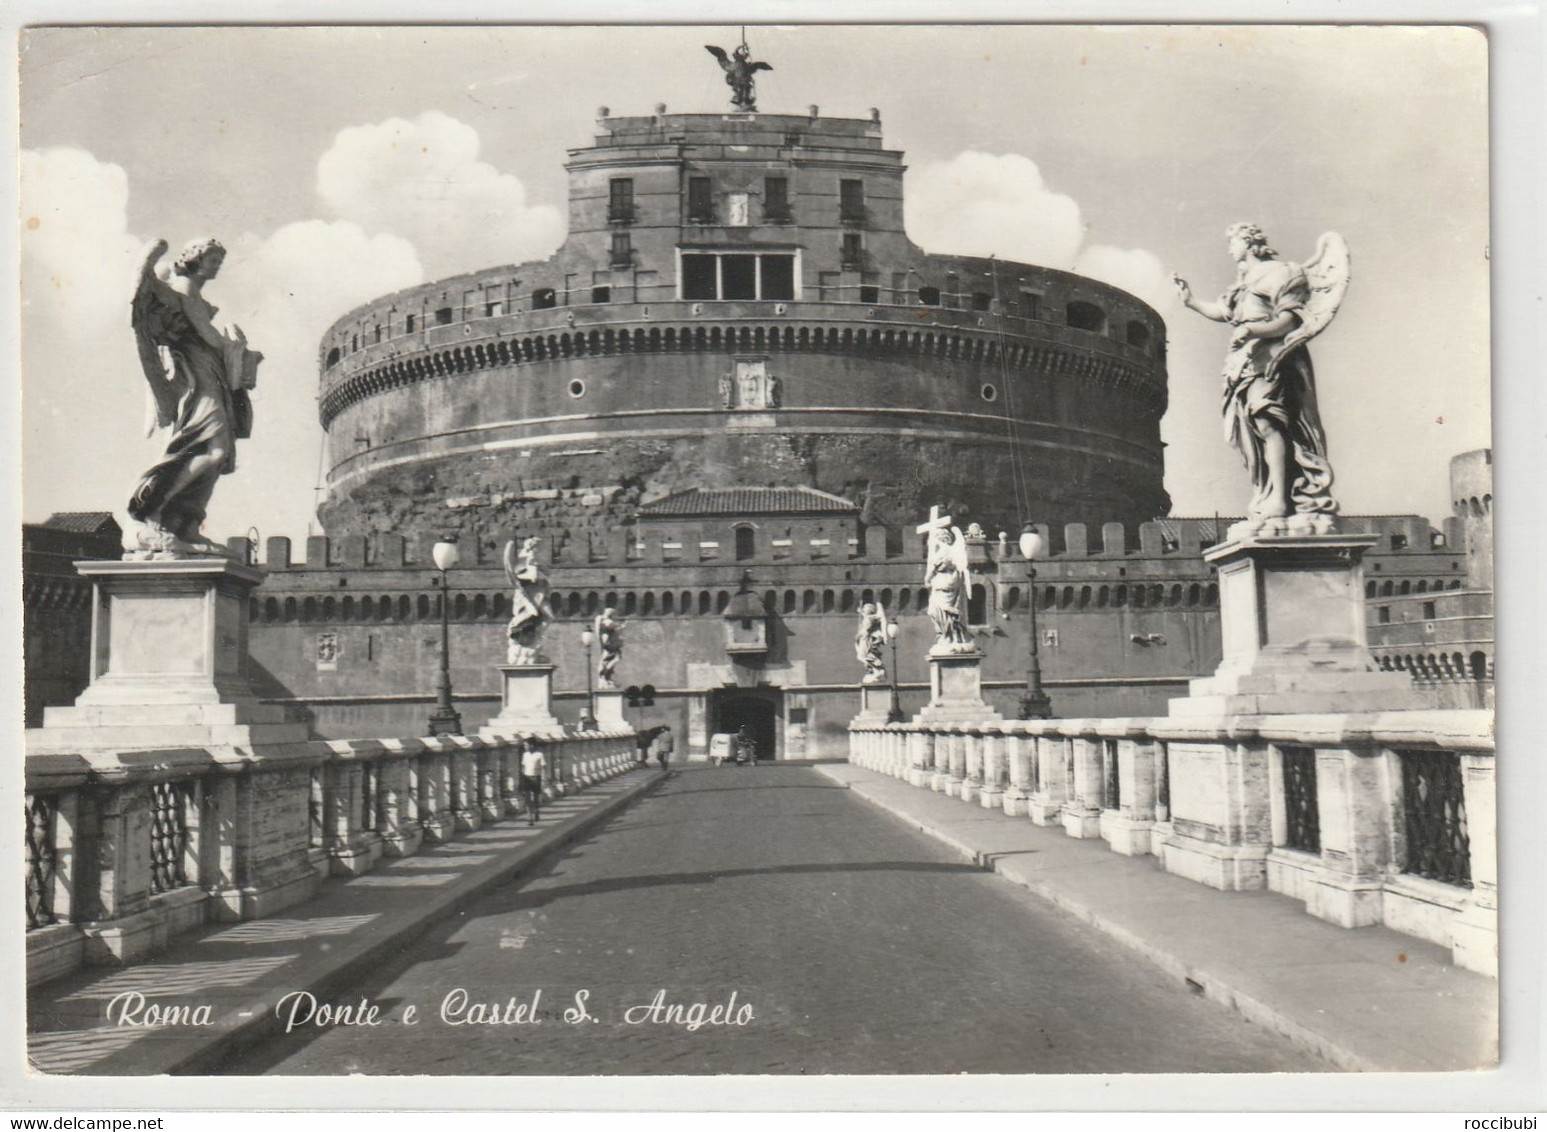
739 68
1271 415
199 381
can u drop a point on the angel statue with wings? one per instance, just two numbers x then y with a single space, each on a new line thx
199 381
609 636
739 68
870 642
529 614
946 576
1270 410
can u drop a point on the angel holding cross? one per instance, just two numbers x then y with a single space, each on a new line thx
945 573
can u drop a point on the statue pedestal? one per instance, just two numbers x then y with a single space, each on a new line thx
956 690
609 710
1292 618
526 702
168 662
875 704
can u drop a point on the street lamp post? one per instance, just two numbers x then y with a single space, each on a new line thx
445 720
895 715
588 715
1034 703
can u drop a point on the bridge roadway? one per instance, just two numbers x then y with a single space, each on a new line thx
851 944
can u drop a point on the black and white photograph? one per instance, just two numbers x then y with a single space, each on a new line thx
723 549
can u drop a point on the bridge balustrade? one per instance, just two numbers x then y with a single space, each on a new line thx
1380 818
125 849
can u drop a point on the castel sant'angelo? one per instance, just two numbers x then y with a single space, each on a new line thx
724 405
738 304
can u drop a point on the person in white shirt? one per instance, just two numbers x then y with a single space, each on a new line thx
532 764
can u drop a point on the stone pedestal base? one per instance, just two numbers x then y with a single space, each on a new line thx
1081 823
1474 935
609 710
129 939
875 704
1014 801
251 902
526 702
1231 868
1126 835
1044 810
168 662
956 690
1292 618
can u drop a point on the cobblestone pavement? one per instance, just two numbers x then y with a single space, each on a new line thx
854 944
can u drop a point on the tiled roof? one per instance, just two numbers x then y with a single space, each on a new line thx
83 522
749 501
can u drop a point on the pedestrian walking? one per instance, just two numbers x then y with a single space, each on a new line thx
532 765
642 740
746 747
664 745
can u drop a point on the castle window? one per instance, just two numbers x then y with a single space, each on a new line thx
776 200
869 293
1086 316
746 543
354 343
1398 542
620 200
377 333
982 300
1031 305
851 201
332 357
601 294
929 296
700 201
1428 611
544 298
622 252
408 324
493 309
1383 614
738 277
851 251
778 276
443 316
1138 335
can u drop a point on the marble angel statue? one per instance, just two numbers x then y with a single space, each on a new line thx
529 614
946 576
609 638
200 378
870 642
1270 410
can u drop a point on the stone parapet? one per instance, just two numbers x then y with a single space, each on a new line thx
1366 818
127 848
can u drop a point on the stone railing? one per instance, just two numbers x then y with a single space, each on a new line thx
124 849
1381 818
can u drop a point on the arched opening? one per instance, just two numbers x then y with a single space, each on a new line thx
1086 316
704 603
1478 663
977 606
647 604
746 543
630 604
271 609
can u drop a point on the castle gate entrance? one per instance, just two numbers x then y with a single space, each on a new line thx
758 708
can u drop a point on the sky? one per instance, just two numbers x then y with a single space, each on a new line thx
340 164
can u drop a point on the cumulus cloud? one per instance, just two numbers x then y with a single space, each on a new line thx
422 179
991 204
1135 270
83 392
1000 204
